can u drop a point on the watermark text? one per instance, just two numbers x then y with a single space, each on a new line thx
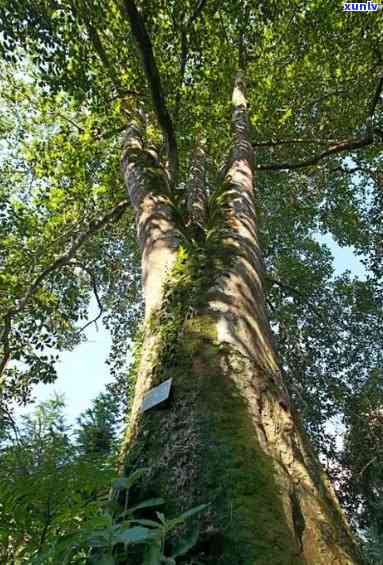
361 6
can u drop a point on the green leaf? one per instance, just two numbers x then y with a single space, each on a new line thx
188 514
153 555
99 538
137 534
186 543
161 517
146 522
124 483
147 504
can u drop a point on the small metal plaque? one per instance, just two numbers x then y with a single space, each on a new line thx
156 395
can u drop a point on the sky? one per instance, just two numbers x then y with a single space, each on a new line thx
83 374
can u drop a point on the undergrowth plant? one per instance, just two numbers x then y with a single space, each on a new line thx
113 537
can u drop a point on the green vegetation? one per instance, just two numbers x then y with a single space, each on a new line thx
56 504
50 479
75 75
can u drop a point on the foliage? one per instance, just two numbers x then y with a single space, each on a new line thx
98 426
49 485
108 539
56 505
373 542
362 456
72 79
47 201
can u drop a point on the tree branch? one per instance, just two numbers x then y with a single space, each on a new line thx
184 51
77 242
365 467
95 292
184 55
5 342
151 71
291 290
69 120
376 98
347 145
59 262
299 140
97 44
335 147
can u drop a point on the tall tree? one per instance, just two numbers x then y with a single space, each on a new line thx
163 74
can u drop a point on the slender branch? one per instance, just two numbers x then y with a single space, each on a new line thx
56 114
292 290
335 147
184 55
97 44
77 242
376 97
348 145
365 467
95 292
90 322
5 341
325 96
151 71
95 39
299 140
65 118
59 262
184 51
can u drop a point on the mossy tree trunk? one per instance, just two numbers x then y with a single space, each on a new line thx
228 436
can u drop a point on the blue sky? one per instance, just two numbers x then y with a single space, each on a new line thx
344 257
82 373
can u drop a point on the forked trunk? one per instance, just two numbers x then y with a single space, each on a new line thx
228 435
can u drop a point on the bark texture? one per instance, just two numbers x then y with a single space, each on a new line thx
147 186
229 436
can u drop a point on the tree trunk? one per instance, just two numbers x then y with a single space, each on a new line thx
228 435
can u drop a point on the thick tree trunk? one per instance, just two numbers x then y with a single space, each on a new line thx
228 436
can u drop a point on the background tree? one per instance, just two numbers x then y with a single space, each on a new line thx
50 484
55 506
97 433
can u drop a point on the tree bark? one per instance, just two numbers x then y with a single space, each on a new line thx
229 435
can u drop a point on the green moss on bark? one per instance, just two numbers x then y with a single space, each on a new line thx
239 480
207 445
203 449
